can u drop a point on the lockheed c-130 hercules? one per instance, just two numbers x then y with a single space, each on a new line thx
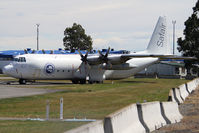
92 67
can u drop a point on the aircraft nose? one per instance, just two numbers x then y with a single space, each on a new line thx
7 69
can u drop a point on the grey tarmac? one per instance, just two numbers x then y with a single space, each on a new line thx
7 91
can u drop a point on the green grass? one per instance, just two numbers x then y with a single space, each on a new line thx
2 75
36 127
92 101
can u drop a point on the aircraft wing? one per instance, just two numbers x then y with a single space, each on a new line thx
122 58
126 57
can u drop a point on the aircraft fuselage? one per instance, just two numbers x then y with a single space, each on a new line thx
70 67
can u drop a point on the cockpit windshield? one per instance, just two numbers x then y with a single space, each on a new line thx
16 59
20 59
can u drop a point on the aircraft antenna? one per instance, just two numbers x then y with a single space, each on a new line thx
173 22
37 37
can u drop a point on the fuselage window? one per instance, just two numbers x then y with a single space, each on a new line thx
57 70
68 70
63 70
6 59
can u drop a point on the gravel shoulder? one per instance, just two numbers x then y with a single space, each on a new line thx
190 122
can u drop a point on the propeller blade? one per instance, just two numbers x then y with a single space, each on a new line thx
80 53
83 57
100 53
86 55
104 58
106 55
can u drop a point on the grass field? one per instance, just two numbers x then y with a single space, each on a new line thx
2 75
91 101
36 127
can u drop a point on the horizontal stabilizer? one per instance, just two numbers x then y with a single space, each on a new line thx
126 57
178 58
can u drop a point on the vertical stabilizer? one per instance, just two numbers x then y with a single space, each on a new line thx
158 43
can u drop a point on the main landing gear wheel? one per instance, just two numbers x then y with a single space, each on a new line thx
82 81
22 81
97 82
75 81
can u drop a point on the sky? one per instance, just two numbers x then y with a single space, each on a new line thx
120 24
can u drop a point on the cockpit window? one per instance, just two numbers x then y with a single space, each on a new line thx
22 59
16 59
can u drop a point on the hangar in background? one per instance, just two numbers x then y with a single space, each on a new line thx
168 69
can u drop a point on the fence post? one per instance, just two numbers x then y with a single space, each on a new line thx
47 109
61 108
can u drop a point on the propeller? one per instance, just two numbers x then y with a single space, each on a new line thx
83 57
84 67
104 58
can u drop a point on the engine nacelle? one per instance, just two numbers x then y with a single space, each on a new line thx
124 66
113 59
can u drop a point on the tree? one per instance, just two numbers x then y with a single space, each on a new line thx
75 38
189 46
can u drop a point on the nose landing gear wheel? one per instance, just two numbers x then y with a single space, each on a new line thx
22 81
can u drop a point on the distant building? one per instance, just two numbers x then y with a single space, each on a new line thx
168 69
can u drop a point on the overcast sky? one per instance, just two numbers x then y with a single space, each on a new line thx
120 24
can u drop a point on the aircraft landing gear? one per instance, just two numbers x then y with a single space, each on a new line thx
22 81
90 82
75 81
81 81
97 82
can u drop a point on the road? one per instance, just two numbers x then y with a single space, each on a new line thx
9 92
16 90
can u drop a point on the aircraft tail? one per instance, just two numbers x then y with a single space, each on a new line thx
158 43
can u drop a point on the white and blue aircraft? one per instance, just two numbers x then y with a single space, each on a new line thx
7 56
92 67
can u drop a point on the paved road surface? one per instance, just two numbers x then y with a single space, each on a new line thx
14 89
9 92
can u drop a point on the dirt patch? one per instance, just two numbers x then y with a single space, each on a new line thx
190 122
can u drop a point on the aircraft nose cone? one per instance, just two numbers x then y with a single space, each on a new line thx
7 69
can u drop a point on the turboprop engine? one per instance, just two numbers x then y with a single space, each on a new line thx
124 66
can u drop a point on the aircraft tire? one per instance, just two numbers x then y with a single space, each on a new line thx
22 81
90 82
82 81
75 81
99 82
